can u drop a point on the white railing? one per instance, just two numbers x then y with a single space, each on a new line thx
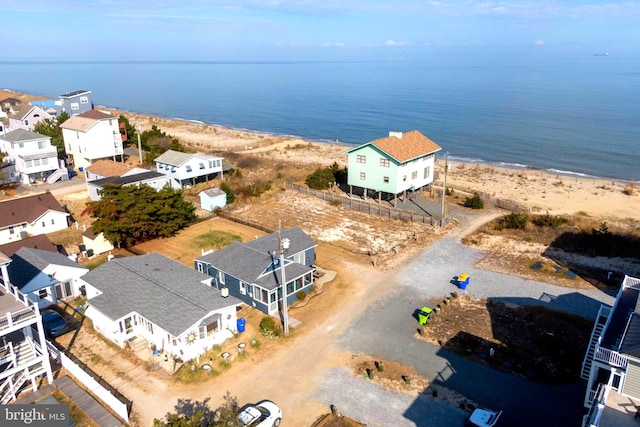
24 315
610 357
598 398
92 384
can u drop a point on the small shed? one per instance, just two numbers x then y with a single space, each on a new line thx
213 198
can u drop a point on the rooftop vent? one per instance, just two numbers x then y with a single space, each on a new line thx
397 134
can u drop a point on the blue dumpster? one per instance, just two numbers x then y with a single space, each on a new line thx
463 280
241 324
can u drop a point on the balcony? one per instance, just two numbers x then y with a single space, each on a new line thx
611 358
16 309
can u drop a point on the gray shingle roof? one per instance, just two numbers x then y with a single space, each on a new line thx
177 158
27 263
128 179
167 293
22 135
249 261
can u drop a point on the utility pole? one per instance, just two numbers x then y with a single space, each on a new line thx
139 144
283 246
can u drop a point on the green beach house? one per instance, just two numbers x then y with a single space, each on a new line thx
392 165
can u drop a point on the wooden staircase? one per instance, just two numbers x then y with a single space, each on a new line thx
20 355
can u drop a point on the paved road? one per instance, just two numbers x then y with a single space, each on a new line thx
386 330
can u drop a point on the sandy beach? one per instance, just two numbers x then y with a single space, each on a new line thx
536 190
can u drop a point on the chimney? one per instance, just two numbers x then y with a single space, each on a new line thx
397 134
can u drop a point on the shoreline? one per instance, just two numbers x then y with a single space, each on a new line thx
328 141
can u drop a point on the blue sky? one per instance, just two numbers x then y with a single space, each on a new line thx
299 29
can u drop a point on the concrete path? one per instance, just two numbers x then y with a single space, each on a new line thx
386 330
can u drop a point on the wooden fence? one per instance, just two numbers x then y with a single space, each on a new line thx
369 208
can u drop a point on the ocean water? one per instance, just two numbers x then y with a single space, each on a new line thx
576 114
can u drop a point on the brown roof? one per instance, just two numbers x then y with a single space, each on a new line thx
108 168
41 242
85 121
27 209
409 145
96 114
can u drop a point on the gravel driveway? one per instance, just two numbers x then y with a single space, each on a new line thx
386 330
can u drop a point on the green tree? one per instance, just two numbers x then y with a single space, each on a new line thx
51 128
129 129
474 202
131 214
155 142
320 178
230 196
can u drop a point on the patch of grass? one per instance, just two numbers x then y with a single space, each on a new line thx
216 239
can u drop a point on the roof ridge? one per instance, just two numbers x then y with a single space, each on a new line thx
139 273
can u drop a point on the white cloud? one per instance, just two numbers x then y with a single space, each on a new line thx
334 44
394 43
538 42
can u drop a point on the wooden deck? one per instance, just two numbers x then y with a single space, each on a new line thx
620 411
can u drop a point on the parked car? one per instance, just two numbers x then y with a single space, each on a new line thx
54 323
484 418
263 414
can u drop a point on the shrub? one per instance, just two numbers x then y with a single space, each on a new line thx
553 221
630 189
320 179
474 202
230 196
267 324
301 295
514 220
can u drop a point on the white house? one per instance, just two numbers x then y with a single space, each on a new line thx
91 136
45 277
104 169
24 357
212 198
27 116
32 154
154 298
30 216
189 168
394 164
135 176
96 243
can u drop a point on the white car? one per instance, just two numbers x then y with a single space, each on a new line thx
484 418
263 414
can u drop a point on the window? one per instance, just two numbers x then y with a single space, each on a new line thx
53 221
200 267
384 162
189 168
427 172
11 231
386 179
84 100
43 293
160 166
201 165
414 175
21 145
36 162
361 159
28 163
404 178
44 224
363 176
26 122
221 277
36 115
74 106
45 161
243 288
